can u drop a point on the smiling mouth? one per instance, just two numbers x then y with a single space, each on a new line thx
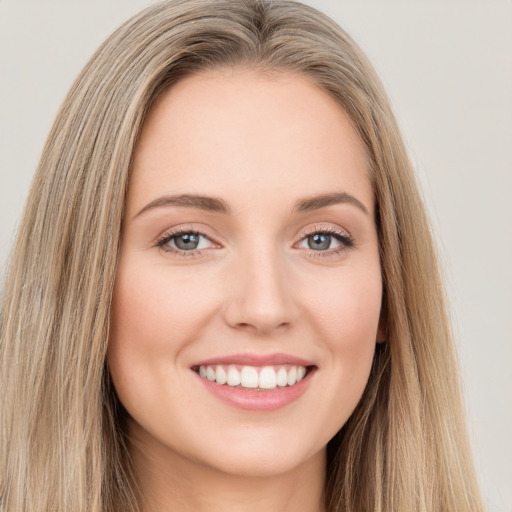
255 378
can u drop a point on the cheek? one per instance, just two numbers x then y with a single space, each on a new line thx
346 317
152 309
352 319
347 308
146 332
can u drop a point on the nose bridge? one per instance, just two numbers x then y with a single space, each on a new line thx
261 299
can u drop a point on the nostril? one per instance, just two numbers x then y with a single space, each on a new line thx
262 327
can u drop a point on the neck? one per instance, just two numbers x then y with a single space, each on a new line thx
167 481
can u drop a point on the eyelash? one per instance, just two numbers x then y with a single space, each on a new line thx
346 241
167 237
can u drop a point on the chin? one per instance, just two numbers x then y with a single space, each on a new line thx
260 455
261 465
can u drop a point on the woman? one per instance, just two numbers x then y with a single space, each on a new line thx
224 293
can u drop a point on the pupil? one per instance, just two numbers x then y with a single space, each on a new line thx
187 241
319 241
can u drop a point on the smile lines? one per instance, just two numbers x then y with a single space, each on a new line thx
266 377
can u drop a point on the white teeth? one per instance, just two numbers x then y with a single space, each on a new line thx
210 373
268 377
249 377
220 375
292 376
282 377
233 376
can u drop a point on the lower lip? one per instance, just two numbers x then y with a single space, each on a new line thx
258 401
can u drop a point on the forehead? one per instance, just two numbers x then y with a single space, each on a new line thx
241 134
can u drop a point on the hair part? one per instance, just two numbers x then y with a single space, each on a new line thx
63 442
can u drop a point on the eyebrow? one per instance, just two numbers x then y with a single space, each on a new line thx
210 204
217 205
321 201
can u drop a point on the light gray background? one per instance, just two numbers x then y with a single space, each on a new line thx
447 66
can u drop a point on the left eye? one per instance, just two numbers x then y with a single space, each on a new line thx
187 241
320 242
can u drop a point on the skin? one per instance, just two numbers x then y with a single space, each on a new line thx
255 285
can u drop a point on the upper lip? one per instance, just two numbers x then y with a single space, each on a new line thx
256 360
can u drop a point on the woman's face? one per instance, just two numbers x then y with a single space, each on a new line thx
249 257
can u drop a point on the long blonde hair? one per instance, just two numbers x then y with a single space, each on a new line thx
63 445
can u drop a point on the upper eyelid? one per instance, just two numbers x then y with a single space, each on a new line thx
199 231
170 234
182 229
337 231
324 229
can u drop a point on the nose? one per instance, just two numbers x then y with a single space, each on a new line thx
260 297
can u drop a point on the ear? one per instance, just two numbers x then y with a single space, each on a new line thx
382 330
381 336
